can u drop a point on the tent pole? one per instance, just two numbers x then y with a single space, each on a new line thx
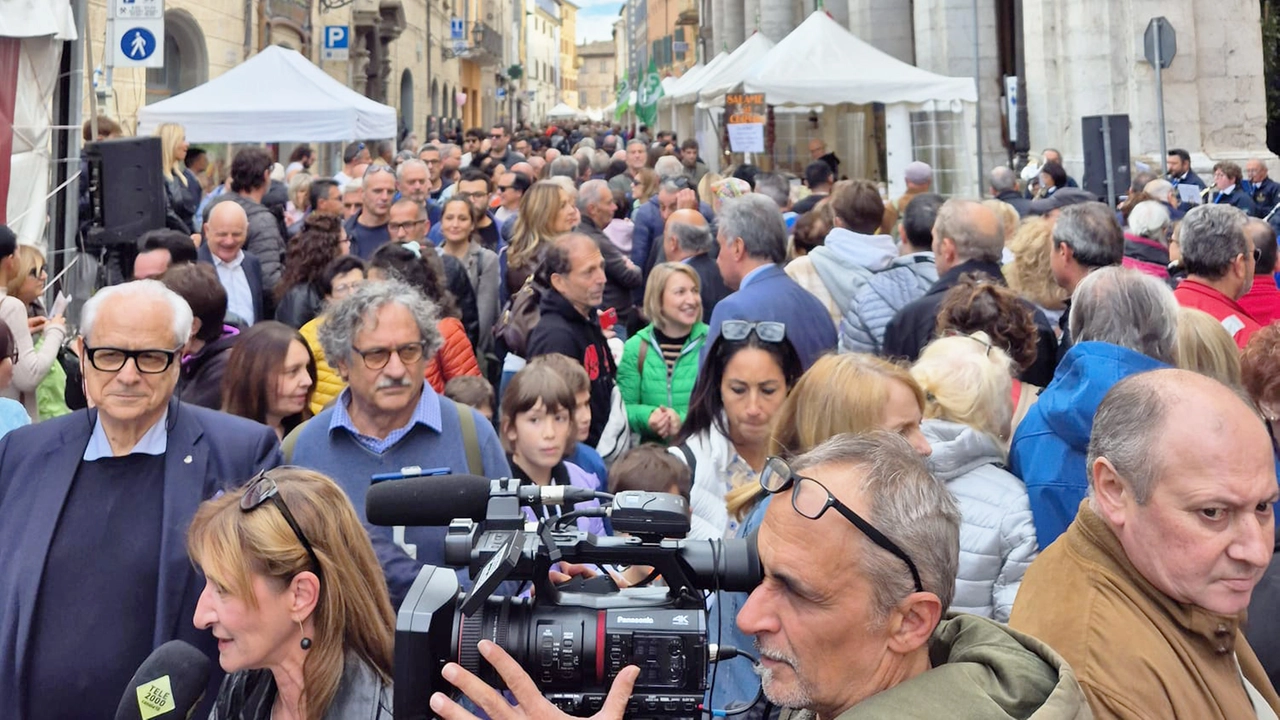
977 81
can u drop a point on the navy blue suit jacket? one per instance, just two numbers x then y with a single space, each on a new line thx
206 452
772 295
263 307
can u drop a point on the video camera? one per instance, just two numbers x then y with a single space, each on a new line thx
572 639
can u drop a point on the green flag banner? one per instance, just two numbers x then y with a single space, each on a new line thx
648 94
623 103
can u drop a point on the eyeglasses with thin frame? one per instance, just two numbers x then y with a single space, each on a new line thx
397 227
148 361
377 358
811 499
975 338
375 169
263 488
767 330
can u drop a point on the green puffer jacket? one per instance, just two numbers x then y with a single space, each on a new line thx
645 390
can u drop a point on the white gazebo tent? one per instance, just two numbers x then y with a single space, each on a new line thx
714 76
681 115
927 116
304 103
563 111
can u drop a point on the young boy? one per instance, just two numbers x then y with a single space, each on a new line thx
649 468
472 390
583 455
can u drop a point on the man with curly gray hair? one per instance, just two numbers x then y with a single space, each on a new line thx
380 339
1220 259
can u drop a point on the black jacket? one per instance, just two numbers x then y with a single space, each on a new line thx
200 381
713 288
299 305
620 275
913 327
263 301
562 329
1237 197
1014 198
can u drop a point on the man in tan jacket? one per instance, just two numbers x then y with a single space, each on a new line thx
1145 593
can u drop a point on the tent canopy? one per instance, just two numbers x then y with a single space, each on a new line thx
303 103
677 84
688 91
840 68
562 110
734 69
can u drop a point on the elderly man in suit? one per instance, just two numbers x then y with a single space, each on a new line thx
239 272
94 508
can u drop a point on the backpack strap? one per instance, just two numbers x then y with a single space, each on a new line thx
470 439
291 440
644 351
689 459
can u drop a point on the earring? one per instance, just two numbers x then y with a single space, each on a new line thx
306 641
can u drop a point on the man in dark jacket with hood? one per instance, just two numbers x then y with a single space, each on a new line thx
967 239
204 357
573 269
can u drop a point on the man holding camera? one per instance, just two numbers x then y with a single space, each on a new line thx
860 633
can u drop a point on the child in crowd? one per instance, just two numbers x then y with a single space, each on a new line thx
537 431
472 390
649 468
12 413
580 454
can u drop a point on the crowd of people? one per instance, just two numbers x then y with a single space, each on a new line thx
1028 439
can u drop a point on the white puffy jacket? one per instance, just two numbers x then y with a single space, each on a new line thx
997 536
712 452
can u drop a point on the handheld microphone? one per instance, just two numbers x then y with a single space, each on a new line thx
436 501
168 685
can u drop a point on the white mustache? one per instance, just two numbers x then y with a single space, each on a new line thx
393 383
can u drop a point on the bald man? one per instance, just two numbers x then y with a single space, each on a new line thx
687 238
239 272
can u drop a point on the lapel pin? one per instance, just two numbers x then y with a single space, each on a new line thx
187 459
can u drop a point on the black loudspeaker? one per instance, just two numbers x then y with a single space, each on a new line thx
1096 161
126 191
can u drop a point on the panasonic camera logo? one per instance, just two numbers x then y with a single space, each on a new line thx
623 620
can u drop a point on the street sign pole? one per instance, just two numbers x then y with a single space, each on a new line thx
1164 150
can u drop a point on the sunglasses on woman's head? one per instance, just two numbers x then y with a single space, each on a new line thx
767 331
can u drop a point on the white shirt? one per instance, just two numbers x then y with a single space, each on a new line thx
236 283
342 179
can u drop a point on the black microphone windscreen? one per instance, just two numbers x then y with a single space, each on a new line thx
168 684
427 501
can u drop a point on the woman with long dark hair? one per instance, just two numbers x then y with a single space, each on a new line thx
298 296
269 377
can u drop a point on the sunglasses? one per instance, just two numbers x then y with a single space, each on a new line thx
811 499
767 331
263 488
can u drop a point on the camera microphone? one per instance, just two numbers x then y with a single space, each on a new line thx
436 501
168 685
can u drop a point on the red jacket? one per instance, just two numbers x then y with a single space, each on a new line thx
1263 299
456 357
1195 294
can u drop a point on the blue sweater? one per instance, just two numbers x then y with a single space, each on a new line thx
337 454
1051 443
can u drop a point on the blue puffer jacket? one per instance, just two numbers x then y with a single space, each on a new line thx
883 295
1049 448
997 537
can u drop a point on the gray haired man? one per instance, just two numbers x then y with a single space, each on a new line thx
862 633
380 339
597 207
1220 260
688 239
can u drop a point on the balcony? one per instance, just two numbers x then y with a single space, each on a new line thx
483 47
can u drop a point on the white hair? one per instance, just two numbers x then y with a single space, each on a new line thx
668 166
149 289
1150 219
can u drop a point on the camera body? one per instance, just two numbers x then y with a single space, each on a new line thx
572 639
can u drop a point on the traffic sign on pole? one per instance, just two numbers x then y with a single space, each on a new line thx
1160 44
457 29
337 42
137 33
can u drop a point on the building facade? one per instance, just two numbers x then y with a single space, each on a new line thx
568 53
597 79
542 57
671 34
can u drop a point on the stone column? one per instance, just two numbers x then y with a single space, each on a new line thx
717 29
883 24
944 45
734 25
777 18
1214 98
751 17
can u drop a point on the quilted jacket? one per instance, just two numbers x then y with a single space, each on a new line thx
997 535
645 389
883 295
456 356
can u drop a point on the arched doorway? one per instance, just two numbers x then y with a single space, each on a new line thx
406 101
435 98
186 58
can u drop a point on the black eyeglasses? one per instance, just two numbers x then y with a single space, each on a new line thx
261 489
377 358
740 329
811 499
110 359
